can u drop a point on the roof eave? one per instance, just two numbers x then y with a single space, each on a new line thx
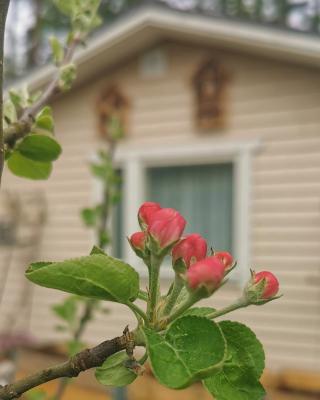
149 25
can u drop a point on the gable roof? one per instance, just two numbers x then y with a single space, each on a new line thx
148 25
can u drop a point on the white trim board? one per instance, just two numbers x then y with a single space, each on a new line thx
134 160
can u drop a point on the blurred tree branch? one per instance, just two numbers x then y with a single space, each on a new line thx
86 359
4 5
22 127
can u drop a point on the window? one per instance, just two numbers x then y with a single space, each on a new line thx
203 195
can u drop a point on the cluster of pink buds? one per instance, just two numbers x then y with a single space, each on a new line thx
161 228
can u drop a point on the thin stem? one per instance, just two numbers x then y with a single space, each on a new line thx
184 306
137 310
154 289
174 294
143 295
4 5
239 304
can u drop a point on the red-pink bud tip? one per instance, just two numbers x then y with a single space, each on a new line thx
146 212
208 273
271 287
226 259
166 226
138 240
190 249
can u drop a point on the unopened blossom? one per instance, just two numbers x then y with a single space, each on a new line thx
190 249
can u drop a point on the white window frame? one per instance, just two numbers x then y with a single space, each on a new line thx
134 161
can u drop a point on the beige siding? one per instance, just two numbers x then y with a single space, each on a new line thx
276 102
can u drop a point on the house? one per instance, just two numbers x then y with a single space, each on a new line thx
222 119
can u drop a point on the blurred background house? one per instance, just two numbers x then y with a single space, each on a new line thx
221 109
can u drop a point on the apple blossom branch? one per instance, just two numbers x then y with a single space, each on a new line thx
22 127
86 359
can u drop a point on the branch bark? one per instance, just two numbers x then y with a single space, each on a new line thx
86 359
4 5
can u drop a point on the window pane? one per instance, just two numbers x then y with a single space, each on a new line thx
203 195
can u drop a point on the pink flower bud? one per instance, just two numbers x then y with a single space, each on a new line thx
191 249
146 212
271 285
206 273
166 226
138 240
226 259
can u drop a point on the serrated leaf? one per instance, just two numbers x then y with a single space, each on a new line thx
27 168
191 349
97 250
239 378
41 148
113 371
96 276
199 311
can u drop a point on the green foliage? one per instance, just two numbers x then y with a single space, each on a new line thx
67 310
32 155
74 346
96 276
27 168
57 50
191 349
39 148
68 74
90 216
114 372
83 14
239 377
36 395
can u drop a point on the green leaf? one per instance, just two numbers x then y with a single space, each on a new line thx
67 310
44 124
26 168
9 111
96 276
97 250
199 311
39 148
89 216
57 50
113 371
239 378
192 349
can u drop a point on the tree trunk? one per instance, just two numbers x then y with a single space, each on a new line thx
4 4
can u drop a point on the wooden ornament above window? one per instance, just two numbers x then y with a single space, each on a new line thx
111 104
210 82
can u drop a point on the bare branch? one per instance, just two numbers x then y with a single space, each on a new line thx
86 359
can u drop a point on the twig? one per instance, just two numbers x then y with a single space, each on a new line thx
22 127
86 359
4 5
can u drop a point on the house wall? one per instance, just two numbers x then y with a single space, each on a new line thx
278 104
